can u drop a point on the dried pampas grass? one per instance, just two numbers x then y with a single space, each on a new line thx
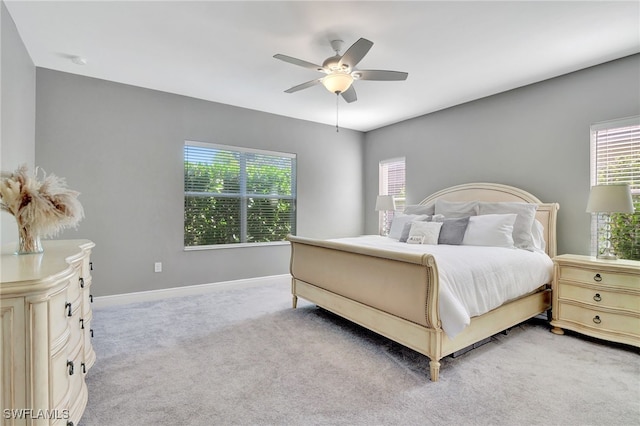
42 207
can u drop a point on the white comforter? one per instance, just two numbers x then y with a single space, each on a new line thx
473 280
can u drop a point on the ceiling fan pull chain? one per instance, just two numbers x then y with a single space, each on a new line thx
337 104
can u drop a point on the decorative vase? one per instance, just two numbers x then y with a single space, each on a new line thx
28 242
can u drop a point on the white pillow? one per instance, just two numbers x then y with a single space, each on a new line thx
399 219
537 232
522 236
495 230
430 231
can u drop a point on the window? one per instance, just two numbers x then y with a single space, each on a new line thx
615 158
392 182
237 195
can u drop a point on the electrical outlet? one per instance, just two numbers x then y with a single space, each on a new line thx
158 267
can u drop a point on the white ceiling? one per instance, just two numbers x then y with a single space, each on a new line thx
454 51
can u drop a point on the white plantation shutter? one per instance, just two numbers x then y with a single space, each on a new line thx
615 158
392 182
237 195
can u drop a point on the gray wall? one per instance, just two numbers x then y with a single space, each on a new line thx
122 148
18 110
535 138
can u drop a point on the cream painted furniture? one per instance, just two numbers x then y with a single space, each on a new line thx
45 333
600 298
410 316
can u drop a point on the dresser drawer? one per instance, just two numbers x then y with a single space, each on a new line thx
58 310
599 277
605 321
599 297
60 380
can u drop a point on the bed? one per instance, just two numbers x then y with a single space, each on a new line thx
400 293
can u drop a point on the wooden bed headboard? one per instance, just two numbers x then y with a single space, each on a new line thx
495 192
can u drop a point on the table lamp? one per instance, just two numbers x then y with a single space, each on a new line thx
607 199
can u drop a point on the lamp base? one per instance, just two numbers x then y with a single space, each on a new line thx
607 255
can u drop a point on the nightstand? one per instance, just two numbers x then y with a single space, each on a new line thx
600 298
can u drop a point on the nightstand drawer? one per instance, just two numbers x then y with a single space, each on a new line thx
600 277
599 297
606 321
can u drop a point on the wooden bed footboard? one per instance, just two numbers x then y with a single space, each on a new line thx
402 284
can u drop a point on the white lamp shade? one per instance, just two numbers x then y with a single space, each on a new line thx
337 82
610 199
385 203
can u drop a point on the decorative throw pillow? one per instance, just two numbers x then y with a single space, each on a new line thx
405 232
428 230
453 230
522 236
399 220
495 230
453 209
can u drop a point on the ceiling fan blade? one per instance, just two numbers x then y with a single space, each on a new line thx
356 52
349 95
304 85
380 75
299 62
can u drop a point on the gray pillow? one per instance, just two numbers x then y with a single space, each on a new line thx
453 209
522 235
404 236
452 231
429 209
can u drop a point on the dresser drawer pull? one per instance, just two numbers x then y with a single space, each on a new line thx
597 278
91 332
91 298
81 282
84 367
70 365
68 306
597 319
82 323
597 297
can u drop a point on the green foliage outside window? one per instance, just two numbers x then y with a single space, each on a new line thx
242 198
625 233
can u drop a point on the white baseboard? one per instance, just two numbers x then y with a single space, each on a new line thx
165 293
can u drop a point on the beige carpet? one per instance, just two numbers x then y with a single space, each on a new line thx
244 357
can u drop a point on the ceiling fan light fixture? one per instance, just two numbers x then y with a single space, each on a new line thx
337 82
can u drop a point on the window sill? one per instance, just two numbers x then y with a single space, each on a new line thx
237 245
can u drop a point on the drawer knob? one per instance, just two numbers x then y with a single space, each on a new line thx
597 278
68 307
70 365
597 319
597 297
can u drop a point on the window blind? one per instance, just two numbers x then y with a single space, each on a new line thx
615 158
237 195
392 182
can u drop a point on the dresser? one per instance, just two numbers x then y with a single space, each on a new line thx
45 333
600 298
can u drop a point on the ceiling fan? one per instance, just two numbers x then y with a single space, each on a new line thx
341 70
